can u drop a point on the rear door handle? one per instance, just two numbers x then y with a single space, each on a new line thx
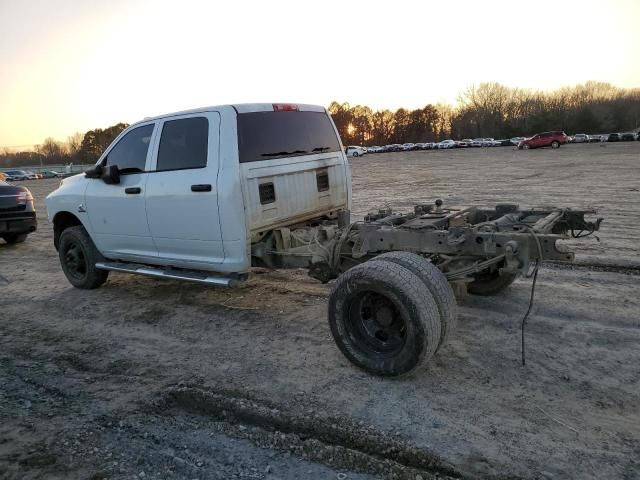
132 190
201 188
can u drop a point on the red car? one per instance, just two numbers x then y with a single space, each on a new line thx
545 139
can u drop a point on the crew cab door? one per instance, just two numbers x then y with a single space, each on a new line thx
182 194
117 212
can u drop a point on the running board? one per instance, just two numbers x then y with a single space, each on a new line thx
184 275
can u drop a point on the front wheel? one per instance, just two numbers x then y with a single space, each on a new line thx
13 238
355 154
78 257
555 144
382 319
526 146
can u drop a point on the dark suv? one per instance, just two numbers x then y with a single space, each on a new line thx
545 139
17 215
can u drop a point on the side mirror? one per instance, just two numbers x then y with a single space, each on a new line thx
110 175
94 172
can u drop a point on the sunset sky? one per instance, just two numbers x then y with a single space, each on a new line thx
73 65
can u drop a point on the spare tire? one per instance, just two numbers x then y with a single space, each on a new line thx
382 319
435 282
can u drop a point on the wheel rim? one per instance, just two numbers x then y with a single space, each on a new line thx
526 147
75 261
375 325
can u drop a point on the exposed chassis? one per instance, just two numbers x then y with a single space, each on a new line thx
461 241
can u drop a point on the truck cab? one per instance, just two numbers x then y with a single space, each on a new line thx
194 189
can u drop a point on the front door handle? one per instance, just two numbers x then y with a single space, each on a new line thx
201 188
133 190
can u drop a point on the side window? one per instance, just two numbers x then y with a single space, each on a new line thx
184 144
130 153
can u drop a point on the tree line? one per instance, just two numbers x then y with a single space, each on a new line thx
486 110
78 149
497 111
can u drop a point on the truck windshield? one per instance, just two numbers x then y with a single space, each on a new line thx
269 135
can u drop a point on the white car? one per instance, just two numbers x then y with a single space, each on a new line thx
516 140
13 175
447 144
581 138
355 151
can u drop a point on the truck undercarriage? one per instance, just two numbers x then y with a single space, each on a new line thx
462 242
393 302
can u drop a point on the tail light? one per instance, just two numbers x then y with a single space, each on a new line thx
24 198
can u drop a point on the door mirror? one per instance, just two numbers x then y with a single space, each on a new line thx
94 172
110 175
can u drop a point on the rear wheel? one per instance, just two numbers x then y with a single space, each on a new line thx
436 284
382 319
555 144
490 282
355 154
78 257
14 237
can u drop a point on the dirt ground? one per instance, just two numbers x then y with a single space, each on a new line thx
147 378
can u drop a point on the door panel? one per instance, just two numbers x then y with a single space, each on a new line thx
182 204
118 219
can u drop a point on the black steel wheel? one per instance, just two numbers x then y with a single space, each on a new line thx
382 319
375 323
78 256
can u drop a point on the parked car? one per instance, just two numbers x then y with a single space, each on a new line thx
462 144
580 138
33 176
505 142
516 140
595 138
50 174
355 151
447 144
477 142
14 175
627 137
17 214
613 137
544 139
407 147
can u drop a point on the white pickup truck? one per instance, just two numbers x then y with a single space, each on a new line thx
203 195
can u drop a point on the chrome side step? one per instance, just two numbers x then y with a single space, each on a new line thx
184 275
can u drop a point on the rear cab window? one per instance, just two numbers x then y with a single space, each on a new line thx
280 134
184 144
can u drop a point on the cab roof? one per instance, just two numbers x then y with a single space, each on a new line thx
244 108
